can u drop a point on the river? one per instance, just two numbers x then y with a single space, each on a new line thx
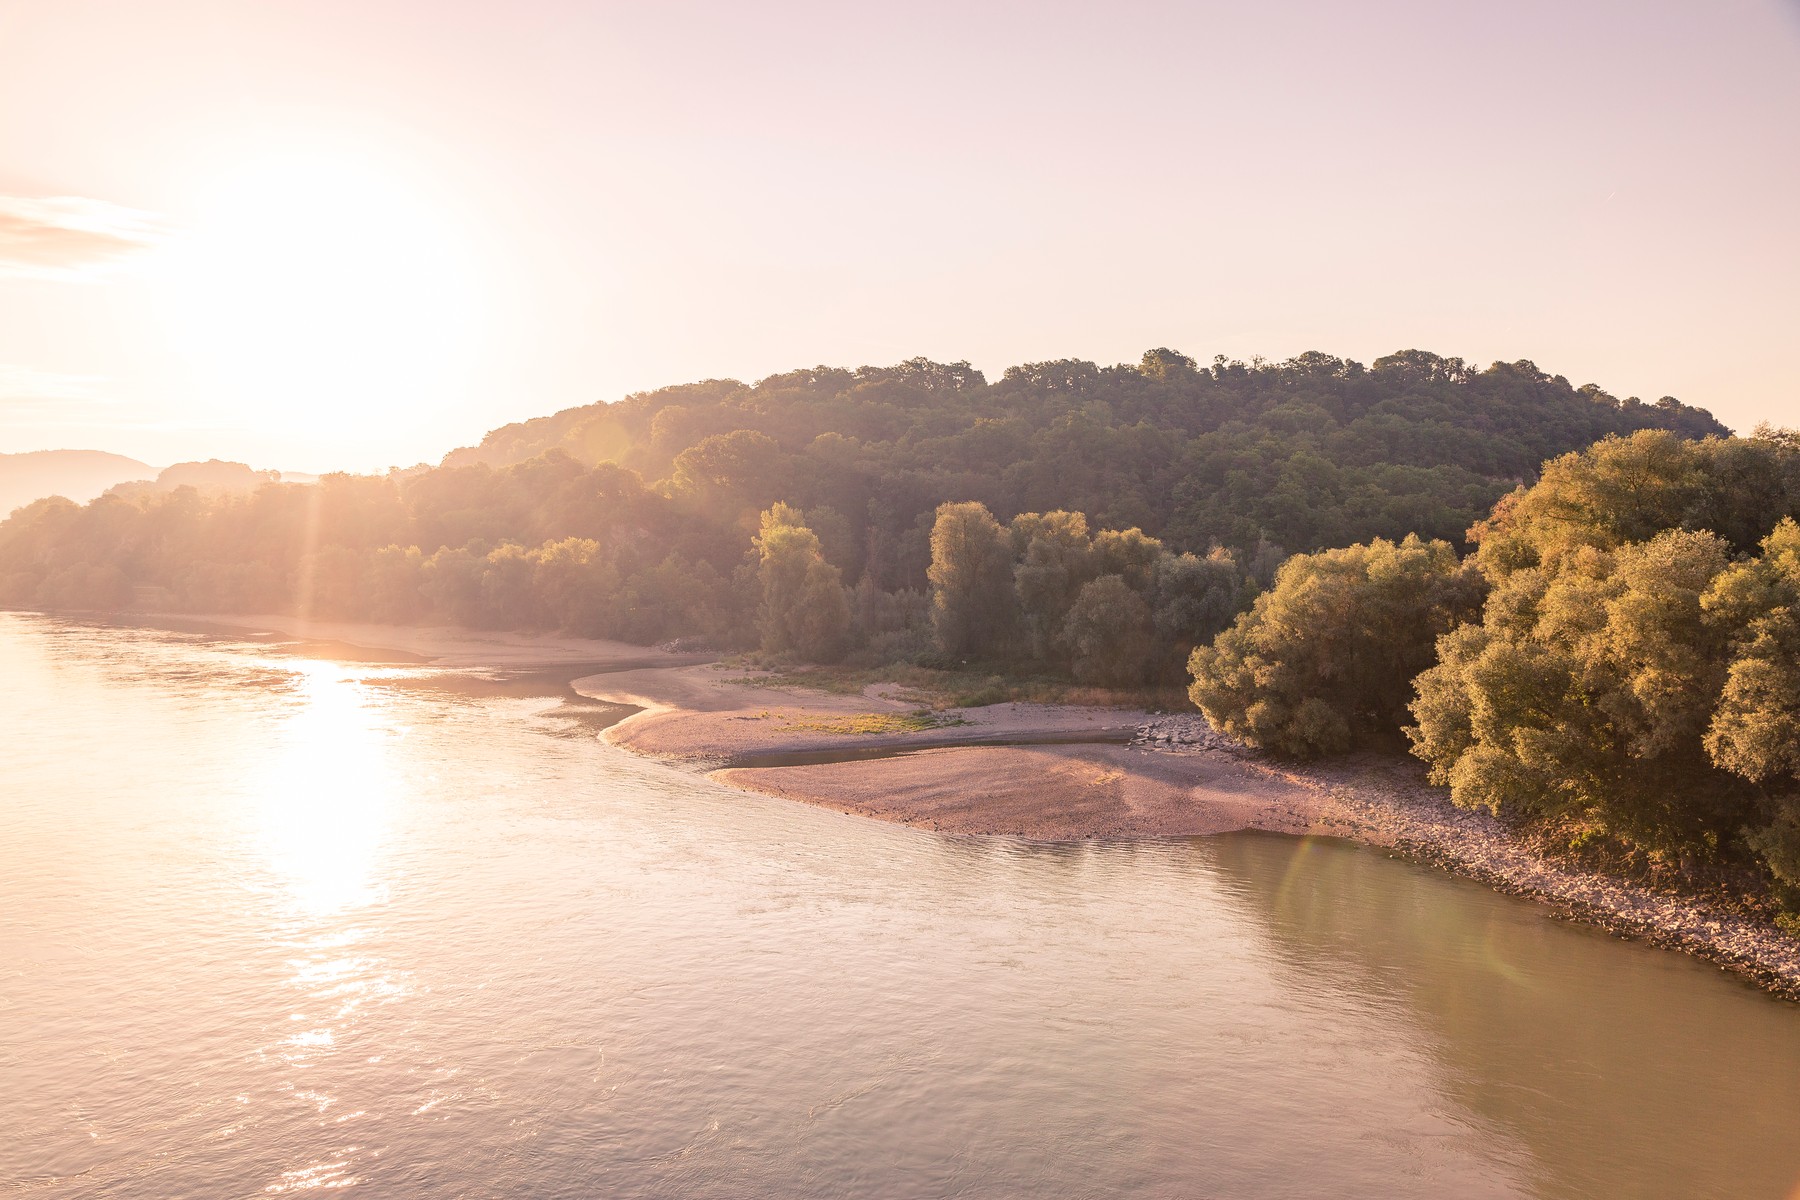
272 922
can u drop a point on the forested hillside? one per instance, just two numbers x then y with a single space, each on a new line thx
657 516
1316 451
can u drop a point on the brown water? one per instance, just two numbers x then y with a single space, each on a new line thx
270 923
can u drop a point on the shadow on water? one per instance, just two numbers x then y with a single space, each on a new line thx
1625 1070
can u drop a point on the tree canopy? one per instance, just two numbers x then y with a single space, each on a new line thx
1633 672
1637 665
1313 452
1325 659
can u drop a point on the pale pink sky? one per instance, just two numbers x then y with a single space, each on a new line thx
331 234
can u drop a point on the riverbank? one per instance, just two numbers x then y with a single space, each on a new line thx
1175 777
1052 773
1387 802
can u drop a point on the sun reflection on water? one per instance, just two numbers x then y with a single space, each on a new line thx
328 789
324 804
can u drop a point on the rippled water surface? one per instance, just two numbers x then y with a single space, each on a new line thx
271 923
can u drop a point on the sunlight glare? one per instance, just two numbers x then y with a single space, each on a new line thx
325 803
318 284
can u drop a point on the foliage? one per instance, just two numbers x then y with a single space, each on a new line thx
1325 659
1055 560
1115 609
804 612
1194 597
1313 452
1638 661
1181 480
1110 634
972 607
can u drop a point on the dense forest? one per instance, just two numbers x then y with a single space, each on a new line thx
1313 452
655 517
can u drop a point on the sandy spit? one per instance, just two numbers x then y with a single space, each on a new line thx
719 716
1047 793
971 775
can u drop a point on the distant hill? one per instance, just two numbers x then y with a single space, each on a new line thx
83 475
80 475
214 477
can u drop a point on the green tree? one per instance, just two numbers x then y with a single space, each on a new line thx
1055 559
1110 634
1195 598
1586 692
973 608
1325 659
1131 554
1755 730
804 611
1634 669
730 473
576 584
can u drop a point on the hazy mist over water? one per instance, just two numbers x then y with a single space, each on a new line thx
271 922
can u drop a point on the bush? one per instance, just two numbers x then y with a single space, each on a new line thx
1638 662
1325 659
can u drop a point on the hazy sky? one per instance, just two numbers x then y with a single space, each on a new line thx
326 234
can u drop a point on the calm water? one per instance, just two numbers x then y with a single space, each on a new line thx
271 923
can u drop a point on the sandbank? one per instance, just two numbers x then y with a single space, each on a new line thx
1049 793
720 716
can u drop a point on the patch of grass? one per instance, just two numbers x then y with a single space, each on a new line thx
868 723
988 693
835 680
938 689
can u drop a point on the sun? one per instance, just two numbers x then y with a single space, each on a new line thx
323 285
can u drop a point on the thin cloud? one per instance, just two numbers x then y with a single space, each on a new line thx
71 238
29 392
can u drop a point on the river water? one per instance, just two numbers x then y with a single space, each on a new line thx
271 922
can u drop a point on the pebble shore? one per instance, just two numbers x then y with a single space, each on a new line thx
1387 802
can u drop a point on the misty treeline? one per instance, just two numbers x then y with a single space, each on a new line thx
645 519
1618 660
